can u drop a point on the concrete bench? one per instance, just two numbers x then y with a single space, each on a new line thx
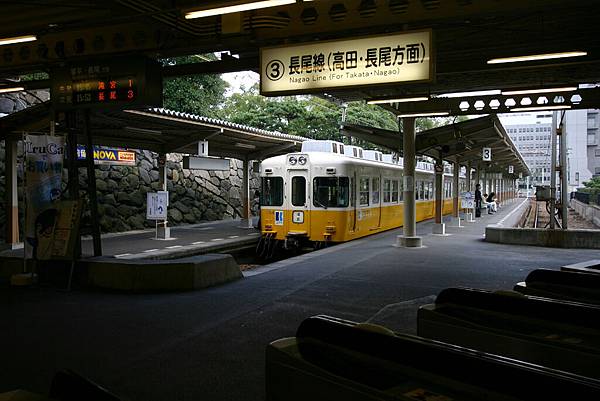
589 266
162 275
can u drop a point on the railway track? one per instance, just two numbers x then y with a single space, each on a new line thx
536 216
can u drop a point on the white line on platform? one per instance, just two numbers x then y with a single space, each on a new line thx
233 236
121 255
217 239
198 242
512 212
253 234
174 246
151 250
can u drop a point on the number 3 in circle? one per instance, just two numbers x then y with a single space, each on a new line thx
275 70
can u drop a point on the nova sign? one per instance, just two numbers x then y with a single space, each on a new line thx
374 60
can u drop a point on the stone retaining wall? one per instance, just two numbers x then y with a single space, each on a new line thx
195 195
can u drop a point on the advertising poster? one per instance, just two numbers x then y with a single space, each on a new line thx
43 180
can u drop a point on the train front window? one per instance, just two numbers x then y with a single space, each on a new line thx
331 191
272 191
298 191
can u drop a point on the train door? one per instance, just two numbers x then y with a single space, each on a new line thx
376 202
300 202
353 201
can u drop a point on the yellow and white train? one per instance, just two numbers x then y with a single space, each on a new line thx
331 192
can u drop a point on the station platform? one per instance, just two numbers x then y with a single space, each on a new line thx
210 344
210 237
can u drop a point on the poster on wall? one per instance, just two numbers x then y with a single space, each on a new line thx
43 180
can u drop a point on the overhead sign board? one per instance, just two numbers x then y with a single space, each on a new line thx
205 163
156 205
511 169
373 60
106 83
109 156
487 154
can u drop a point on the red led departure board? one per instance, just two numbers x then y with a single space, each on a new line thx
115 83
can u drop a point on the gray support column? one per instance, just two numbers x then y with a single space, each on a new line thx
455 188
468 177
484 182
455 193
11 194
553 170
246 213
439 227
564 182
91 188
493 184
469 213
477 177
409 239
163 231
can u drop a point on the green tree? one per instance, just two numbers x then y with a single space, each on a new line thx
197 94
594 183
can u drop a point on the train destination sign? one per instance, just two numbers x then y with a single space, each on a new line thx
113 83
374 60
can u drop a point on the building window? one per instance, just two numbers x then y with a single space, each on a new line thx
597 152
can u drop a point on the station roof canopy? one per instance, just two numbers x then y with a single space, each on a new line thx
466 35
163 131
461 141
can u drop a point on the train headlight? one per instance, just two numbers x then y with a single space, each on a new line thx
292 160
302 160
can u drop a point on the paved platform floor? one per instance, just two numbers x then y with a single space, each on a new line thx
209 344
185 240
208 237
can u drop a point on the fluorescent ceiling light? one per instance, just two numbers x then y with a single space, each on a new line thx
536 57
471 93
401 100
425 114
143 130
540 108
17 39
541 90
255 5
245 145
15 89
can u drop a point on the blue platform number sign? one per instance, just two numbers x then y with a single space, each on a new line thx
279 217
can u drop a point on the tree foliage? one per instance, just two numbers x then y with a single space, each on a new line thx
594 183
307 116
197 94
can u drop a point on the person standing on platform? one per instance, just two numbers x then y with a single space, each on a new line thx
478 200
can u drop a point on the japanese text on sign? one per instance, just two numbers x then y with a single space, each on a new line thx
366 61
